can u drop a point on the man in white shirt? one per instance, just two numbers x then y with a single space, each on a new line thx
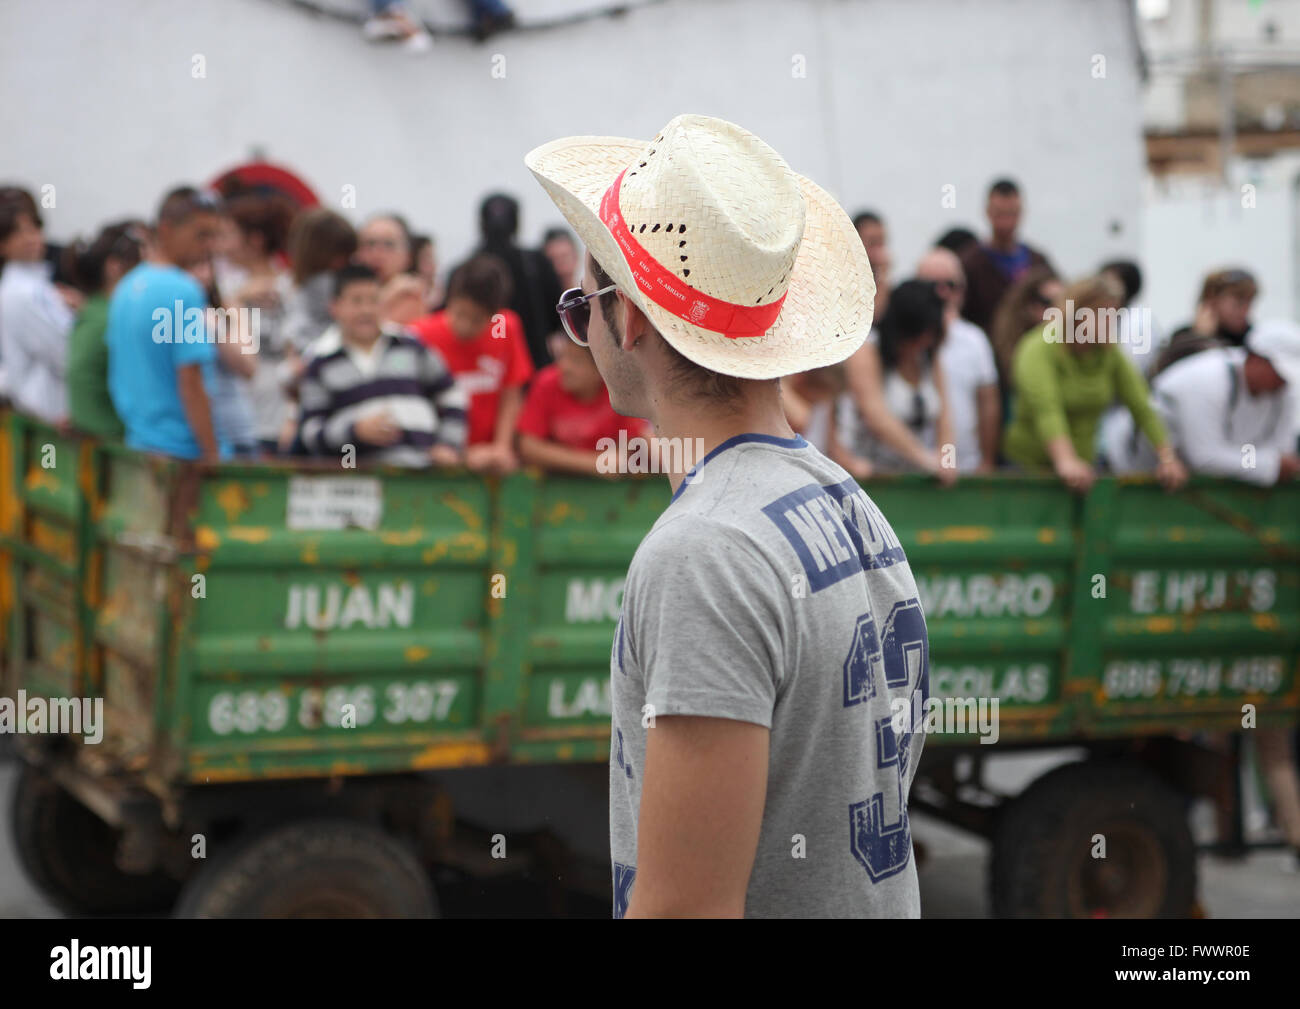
35 319
969 369
1230 411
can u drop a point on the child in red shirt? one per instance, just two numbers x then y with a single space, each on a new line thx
567 415
483 344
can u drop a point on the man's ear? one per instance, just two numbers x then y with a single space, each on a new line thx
635 323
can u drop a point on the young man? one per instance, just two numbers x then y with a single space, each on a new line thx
1230 411
992 268
770 625
161 360
534 287
875 239
483 344
1223 310
567 423
380 389
969 369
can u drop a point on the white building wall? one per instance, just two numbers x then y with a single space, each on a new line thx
1255 31
900 99
1194 226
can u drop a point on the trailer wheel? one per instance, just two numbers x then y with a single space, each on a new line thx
67 853
312 869
1043 864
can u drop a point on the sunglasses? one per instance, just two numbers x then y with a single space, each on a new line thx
575 311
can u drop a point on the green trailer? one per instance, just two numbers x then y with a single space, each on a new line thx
309 675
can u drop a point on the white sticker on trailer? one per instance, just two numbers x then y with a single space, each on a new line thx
335 502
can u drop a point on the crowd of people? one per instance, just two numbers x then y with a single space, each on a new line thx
986 359
245 327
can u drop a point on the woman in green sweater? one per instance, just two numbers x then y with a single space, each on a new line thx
113 253
1065 374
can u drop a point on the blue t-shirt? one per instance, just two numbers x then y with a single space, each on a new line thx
1011 264
156 325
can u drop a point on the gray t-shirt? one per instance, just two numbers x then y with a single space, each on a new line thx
773 591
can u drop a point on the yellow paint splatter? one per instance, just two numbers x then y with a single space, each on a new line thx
249 534
233 500
39 478
451 755
402 538
558 512
956 534
468 515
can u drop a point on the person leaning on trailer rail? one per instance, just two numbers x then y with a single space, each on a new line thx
895 415
567 423
969 369
1064 376
1230 411
484 345
379 391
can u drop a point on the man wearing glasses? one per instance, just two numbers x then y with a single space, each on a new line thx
770 632
969 369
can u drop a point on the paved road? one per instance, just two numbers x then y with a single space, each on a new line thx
952 877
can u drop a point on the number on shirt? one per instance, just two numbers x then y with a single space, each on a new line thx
878 831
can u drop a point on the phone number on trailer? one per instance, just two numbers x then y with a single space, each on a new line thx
1193 677
250 711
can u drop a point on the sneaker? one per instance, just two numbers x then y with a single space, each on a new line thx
383 28
418 42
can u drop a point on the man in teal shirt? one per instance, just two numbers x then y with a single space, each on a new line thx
161 358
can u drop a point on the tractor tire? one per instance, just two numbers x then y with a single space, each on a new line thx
312 869
1045 862
67 853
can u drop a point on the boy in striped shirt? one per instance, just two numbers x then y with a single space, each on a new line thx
379 390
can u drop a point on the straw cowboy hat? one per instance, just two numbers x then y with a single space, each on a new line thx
743 266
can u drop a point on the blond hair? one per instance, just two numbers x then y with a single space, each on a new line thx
1096 291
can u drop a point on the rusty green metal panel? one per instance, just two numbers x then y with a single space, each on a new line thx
1200 614
48 551
9 537
297 622
247 622
993 560
584 533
